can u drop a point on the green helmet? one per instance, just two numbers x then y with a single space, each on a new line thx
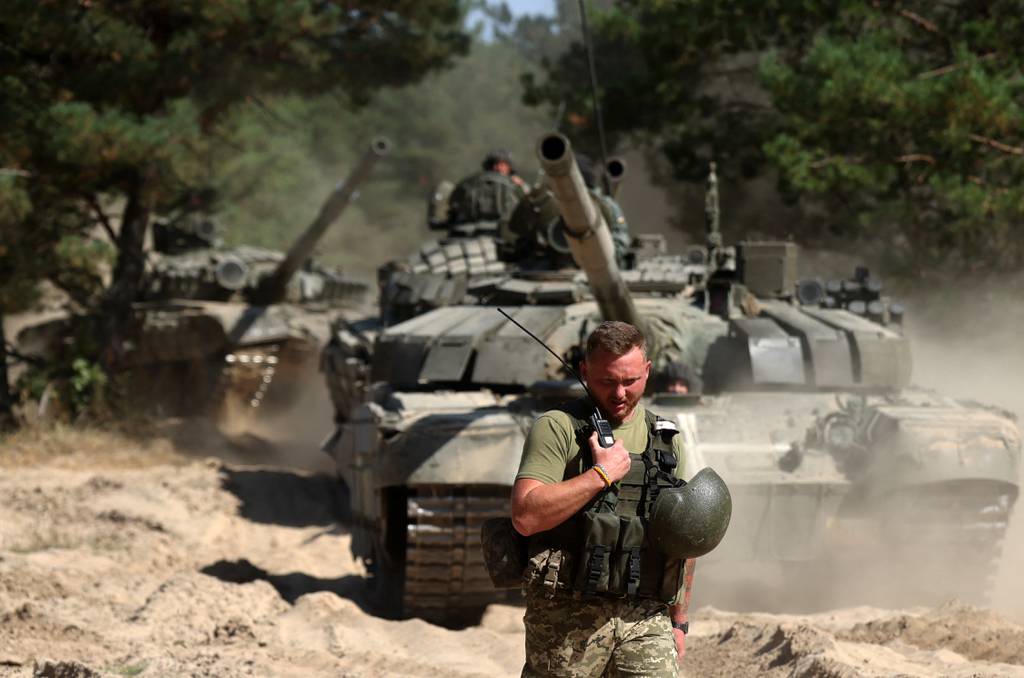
689 521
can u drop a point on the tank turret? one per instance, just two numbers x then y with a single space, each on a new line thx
588 235
223 331
272 289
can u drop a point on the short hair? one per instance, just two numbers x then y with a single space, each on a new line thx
495 156
616 337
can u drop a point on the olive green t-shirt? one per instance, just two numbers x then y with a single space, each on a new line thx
551 445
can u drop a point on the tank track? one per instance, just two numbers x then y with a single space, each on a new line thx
445 578
959 530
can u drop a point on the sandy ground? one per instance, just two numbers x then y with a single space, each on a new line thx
171 554
120 557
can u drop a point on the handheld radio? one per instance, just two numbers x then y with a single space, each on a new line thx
600 424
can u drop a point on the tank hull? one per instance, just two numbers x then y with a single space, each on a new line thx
931 474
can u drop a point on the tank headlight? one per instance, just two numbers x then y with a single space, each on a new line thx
840 434
231 273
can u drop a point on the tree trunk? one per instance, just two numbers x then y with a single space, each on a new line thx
7 420
127 279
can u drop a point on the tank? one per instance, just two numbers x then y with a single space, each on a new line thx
798 395
225 331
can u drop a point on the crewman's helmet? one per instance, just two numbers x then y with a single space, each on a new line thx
689 521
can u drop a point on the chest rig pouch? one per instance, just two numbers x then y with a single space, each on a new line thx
603 550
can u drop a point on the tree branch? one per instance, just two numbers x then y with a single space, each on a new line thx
104 221
997 145
919 20
18 356
916 157
953 67
832 159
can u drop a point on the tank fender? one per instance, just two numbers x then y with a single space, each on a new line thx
933 445
478 446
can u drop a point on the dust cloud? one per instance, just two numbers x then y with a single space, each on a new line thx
965 345
966 342
284 437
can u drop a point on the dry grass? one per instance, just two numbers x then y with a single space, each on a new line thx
86 446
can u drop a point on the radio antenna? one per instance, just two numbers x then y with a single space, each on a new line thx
565 364
596 101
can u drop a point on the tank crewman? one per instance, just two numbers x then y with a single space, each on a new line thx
486 196
600 602
677 378
535 231
499 160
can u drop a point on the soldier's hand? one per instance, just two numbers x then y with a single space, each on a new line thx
680 639
614 459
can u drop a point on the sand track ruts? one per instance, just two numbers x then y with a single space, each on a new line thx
205 569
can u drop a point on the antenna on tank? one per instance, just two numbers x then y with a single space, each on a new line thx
605 436
565 364
605 182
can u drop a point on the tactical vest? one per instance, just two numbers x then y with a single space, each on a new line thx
602 550
487 196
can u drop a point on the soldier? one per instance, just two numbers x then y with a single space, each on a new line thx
677 378
600 601
500 161
534 233
487 196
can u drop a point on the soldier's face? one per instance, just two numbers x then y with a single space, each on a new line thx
678 387
617 382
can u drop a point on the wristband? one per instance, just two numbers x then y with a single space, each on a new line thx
604 474
684 627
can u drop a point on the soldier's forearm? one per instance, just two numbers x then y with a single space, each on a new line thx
680 611
537 506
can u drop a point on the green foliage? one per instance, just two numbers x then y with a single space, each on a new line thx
74 381
900 121
908 121
87 381
276 160
110 108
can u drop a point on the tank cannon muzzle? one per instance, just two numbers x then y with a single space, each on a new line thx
615 170
587 234
273 289
231 273
207 230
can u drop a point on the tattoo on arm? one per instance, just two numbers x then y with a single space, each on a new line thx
688 568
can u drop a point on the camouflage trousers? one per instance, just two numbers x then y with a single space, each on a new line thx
570 638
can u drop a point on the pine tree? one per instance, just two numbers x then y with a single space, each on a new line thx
106 106
903 120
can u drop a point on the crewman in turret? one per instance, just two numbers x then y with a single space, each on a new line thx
482 199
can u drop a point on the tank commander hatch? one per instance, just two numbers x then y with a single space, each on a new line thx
600 602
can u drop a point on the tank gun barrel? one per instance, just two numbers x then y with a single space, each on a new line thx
587 233
615 170
273 290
